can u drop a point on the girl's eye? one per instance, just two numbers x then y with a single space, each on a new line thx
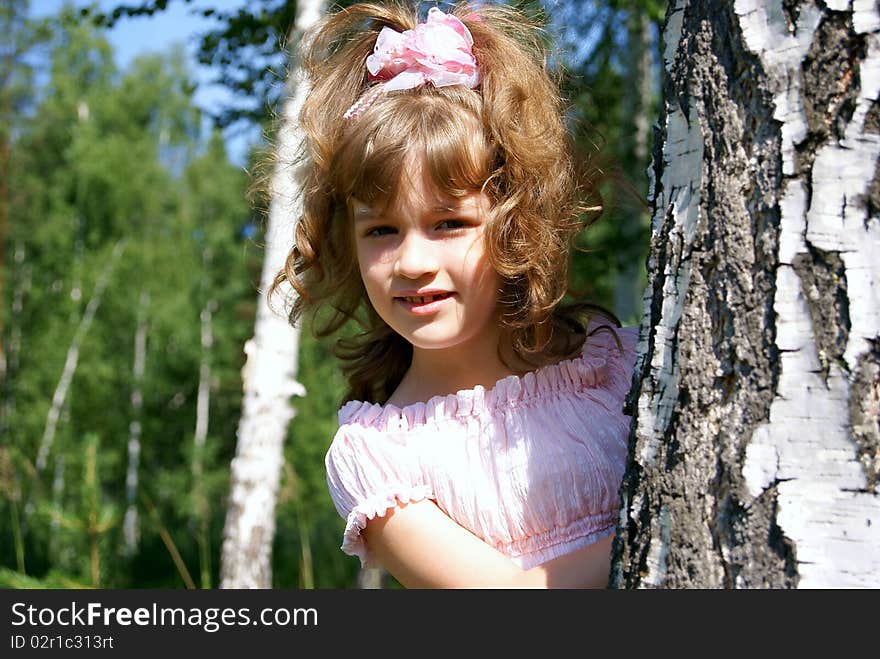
452 224
375 232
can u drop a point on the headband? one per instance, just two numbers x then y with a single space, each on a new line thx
438 51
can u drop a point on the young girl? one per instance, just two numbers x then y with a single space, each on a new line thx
483 439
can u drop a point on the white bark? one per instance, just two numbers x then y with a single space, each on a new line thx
73 356
58 505
269 374
130 528
203 401
203 410
824 506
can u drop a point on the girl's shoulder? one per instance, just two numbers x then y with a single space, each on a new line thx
605 364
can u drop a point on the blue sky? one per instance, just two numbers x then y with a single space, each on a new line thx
179 23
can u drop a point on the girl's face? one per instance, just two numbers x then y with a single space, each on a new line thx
424 266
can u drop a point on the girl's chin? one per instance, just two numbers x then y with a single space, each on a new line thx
431 340
436 340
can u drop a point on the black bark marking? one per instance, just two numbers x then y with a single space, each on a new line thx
823 281
792 11
872 126
872 203
831 72
758 555
872 119
864 412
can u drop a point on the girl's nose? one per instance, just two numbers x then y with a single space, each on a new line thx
416 256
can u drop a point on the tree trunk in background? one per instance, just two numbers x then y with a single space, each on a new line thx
203 414
269 375
130 527
637 109
755 458
70 362
638 98
21 284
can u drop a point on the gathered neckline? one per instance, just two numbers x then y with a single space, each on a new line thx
588 370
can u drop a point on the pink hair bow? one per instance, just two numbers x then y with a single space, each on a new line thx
438 51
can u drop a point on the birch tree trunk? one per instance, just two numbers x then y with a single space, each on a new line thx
203 415
754 459
269 375
72 358
130 527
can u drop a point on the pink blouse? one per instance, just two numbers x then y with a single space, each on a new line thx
532 465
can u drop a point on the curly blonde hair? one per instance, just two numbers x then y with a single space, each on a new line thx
507 137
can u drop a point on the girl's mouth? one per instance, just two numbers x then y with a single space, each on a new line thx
424 304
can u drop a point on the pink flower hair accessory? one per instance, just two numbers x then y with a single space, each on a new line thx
438 51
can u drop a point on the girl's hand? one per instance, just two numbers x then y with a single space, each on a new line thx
422 547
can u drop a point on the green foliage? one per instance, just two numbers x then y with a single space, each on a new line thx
52 579
109 156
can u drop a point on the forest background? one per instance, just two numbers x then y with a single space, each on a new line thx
130 255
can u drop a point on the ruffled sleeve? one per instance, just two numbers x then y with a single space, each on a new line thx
368 474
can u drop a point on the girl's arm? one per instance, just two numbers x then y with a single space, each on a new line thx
422 547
